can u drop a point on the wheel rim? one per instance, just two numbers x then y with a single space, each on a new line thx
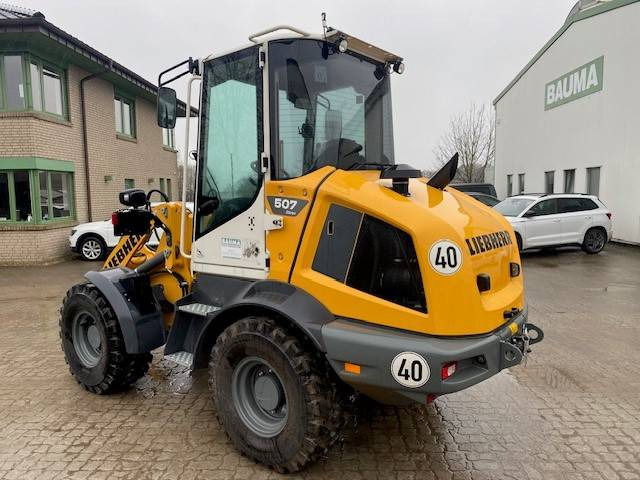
595 240
259 397
92 249
86 339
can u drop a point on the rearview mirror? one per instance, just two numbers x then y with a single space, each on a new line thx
167 107
297 92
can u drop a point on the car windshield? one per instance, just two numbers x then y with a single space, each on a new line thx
328 108
512 207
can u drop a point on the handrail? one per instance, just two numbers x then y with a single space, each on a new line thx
275 29
185 168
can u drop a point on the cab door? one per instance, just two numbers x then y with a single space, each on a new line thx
543 224
229 220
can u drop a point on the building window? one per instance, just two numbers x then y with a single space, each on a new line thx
46 89
569 180
129 183
27 84
5 207
125 116
168 139
549 178
509 185
162 185
521 183
593 181
169 189
19 198
55 195
13 83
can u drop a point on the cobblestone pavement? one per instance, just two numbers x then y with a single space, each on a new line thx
573 412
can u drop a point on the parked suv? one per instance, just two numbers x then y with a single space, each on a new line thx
541 220
485 188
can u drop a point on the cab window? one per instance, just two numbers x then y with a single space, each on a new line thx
229 173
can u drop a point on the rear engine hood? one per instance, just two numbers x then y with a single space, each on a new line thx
484 238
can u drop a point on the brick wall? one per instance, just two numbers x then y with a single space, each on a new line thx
24 134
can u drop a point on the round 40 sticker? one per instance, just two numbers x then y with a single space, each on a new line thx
410 369
445 257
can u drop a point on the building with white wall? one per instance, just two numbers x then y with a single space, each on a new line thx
570 120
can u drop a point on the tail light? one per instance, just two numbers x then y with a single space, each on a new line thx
114 218
449 369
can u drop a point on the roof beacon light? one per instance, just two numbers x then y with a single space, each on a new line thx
343 45
398 68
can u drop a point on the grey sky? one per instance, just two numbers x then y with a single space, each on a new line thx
456 52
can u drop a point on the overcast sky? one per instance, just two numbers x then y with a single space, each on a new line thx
456 52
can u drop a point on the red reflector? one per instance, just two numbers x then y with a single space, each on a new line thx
609 215
449 369
114 218
431 397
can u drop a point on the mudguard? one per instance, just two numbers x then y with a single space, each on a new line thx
138 313
299 308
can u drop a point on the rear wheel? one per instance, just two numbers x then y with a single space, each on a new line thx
594 240
93 345
277 400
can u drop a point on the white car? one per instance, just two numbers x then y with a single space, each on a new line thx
550 220
94 240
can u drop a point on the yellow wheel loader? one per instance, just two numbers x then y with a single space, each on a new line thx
312 264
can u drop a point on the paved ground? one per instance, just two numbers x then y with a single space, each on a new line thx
573 412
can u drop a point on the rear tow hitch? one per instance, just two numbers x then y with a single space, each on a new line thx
531 334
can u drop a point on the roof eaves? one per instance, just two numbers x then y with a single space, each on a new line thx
48 29
591 12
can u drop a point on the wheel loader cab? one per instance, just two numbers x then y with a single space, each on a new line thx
320 265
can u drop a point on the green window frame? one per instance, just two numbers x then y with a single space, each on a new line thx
43 86
49 192
125 115
129 183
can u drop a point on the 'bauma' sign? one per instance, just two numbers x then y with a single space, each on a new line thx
580 82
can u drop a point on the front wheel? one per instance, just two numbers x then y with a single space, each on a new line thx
93 345
276 399
92 248
594 240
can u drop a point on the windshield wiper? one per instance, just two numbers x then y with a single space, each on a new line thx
380 166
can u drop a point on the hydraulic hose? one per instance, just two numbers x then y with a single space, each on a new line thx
155 261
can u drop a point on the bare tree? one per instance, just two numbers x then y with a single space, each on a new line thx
472 135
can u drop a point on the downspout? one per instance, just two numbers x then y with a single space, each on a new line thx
85 144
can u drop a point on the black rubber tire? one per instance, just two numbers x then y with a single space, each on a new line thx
589 248
116 369
103 246
316 410
519 242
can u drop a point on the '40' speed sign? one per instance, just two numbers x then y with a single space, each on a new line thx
445 257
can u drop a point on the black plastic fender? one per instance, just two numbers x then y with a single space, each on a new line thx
300 309
139 315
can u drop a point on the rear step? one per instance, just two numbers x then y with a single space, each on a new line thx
181 358
200 309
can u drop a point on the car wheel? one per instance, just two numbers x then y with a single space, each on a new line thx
594 240
92 248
